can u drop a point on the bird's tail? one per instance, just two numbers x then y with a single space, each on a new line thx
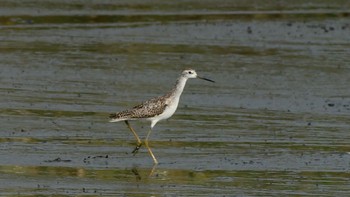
116 117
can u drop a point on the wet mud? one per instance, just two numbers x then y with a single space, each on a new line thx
275 123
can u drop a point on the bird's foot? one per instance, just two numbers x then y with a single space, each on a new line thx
137 148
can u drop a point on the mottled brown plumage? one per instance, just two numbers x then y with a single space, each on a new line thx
147 109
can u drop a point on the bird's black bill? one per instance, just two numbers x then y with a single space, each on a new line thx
206 79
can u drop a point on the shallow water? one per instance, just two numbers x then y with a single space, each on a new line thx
276 122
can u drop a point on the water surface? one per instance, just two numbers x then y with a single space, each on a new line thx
276 122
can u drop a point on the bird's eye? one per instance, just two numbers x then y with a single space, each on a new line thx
189 72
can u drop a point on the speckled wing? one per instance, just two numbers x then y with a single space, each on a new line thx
150 108
146 109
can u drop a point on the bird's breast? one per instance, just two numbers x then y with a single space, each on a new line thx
170 109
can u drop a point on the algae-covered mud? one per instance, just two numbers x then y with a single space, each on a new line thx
275 123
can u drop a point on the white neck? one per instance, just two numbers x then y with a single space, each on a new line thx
179 86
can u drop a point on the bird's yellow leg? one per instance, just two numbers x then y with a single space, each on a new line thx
149 149
139 143
153 169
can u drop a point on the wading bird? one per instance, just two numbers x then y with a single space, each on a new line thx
156 109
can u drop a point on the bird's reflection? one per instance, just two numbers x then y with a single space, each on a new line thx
137 174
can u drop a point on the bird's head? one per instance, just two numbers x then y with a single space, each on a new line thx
190 73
